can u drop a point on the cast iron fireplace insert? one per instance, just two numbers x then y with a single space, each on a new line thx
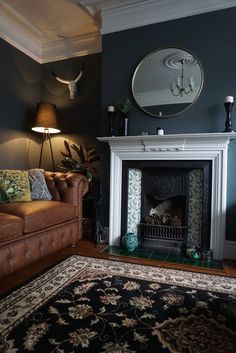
163 182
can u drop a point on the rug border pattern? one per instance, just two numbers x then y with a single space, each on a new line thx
36 293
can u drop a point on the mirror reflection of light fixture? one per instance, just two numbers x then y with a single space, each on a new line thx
46 123
177 87
153 75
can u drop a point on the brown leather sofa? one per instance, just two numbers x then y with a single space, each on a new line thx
32 230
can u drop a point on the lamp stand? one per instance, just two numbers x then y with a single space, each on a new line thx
228 122
46 137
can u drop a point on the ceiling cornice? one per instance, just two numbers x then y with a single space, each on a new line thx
24 36
114 15
117 16
69 48
52 51
21 40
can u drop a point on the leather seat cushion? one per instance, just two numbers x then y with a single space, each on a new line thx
40 214
11 227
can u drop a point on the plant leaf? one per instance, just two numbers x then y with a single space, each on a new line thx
64 154
66 164
94 159
82 164
79 151
92 152
67 147
90 149
71 160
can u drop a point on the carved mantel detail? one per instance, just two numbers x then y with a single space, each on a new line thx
202 146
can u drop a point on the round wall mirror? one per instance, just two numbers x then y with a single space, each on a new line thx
167 81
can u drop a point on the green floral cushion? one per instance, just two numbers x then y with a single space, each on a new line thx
16 185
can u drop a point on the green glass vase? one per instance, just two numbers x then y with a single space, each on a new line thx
130 241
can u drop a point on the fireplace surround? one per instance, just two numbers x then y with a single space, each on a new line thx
167 203
177 147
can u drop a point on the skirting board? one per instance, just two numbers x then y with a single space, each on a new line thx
230 250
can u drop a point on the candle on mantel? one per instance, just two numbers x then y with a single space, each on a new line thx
229 99
111 109
111 113
228 103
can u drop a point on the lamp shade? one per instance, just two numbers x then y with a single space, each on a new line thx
46 118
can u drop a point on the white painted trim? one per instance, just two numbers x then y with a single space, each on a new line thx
212 147
230 250
116 16
115 198
19 39
79 46
25 41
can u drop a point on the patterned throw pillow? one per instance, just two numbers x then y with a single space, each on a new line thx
16 185
3 196
39 189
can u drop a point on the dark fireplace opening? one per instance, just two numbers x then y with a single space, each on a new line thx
167 203
163 212
164 228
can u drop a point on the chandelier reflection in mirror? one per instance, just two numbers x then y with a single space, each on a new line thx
182 85
153 78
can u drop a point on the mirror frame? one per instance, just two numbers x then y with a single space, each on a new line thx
147 56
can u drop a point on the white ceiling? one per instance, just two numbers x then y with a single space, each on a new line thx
50 30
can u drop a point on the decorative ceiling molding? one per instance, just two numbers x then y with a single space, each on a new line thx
42 47
20 39
173 61
43 43
69 48
52 51
116 16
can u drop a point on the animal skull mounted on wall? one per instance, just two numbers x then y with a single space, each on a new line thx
72 84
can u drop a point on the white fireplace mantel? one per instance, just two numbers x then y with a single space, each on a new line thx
201 146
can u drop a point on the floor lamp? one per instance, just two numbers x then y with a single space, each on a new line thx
46 123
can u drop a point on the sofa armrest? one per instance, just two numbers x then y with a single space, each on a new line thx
67 187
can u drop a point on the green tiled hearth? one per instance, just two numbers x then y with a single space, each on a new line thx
167 257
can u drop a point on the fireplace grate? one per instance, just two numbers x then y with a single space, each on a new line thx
162 232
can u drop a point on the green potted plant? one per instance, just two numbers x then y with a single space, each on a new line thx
80 161
123 108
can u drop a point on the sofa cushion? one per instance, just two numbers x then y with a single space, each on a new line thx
38 185
40 214
16 184
3 196
11 227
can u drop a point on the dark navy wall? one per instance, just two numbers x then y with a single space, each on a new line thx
20 89
211 37
80 115
24 83
79 119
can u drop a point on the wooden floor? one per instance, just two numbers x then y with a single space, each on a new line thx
88 248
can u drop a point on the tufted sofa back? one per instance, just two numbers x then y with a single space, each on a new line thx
61 186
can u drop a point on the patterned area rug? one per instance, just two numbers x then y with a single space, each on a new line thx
93 305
